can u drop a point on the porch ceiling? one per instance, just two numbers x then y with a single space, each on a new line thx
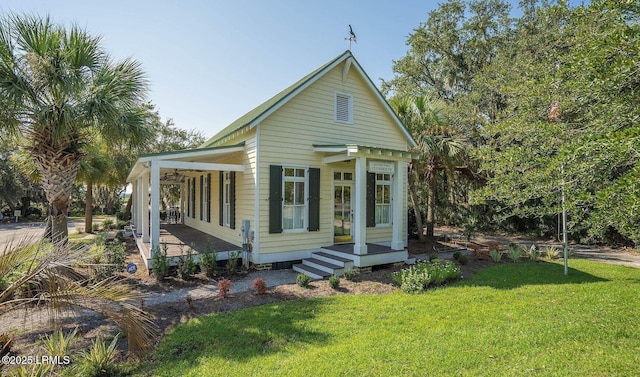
192 159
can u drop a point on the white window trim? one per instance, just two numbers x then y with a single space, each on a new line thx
389 184
305 179
335 107
226 200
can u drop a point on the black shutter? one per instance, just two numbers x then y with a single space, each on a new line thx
201 197
232 200
208 197
275 199
193 197
221 198
314 199
371 200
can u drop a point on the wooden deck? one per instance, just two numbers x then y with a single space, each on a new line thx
179 237
372 248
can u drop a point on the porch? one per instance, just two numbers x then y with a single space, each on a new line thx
179 237
337 258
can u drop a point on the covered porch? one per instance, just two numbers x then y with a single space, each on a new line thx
147 176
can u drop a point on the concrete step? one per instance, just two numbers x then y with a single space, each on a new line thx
345 263
313 273
324 266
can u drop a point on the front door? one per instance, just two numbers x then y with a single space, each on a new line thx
342 215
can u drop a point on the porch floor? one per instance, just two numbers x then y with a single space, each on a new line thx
372 248
179 238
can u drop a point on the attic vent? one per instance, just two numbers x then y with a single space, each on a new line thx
344 108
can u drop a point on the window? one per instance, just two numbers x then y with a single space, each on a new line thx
205 206
383 199
226 200
293 207
344 108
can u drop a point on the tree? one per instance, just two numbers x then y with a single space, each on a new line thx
440 149
570 79
61 90
52 275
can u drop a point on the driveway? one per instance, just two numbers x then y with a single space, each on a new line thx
17 233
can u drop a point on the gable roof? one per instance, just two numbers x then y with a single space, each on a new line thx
255 116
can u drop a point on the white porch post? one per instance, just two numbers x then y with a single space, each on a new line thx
360 216
140 205
145 207
134 203
155 206
397 206
183 203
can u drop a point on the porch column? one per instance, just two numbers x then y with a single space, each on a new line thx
183 203
360 208
134 203
397 206
155 206
145 207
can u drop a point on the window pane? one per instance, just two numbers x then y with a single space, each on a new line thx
348 176
288 172
299 195
337 176
299 172
287 217
288 193
387 197
298 220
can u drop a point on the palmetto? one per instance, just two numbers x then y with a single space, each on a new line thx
59 92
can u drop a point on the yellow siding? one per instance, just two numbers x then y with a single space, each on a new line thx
245 184
287 138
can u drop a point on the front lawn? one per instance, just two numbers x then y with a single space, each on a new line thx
508 320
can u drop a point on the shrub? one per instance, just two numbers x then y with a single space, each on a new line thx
495 255
433 257
232 262
107 258
120 224
58 343
95 227
351 274
224 286
303 280
551 253
209 260
186 265
334 281
107 224
419 277
159 263
461 258
515 252
259 285
98 361
119 236
533 253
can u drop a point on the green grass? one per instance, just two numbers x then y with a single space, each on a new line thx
508 320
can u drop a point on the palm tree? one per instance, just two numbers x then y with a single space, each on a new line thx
440 149
59 89
44 274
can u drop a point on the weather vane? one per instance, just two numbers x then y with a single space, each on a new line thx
351 38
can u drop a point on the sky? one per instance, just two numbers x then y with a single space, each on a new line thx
210 62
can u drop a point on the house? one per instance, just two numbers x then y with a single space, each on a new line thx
317 174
